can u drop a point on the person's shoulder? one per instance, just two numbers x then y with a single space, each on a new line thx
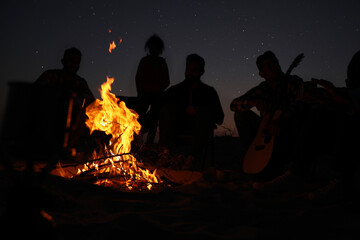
150 58
48 75
178 87
145 59
161 59
51 72
80 79
81 82
261 85
207 88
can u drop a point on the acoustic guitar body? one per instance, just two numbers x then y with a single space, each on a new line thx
260 151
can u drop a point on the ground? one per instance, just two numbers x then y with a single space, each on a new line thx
220 204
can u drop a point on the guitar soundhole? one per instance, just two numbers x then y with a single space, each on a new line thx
259 147
267 138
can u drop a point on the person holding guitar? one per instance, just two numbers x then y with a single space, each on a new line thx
275 99
330 126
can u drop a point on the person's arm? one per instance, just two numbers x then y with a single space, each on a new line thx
140 76
86 93
332 90
45 78
252 98
165 76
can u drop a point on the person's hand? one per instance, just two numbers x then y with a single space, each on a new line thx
191 110
274 127
259 104
325 84
277 122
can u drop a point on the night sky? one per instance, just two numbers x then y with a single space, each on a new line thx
228 34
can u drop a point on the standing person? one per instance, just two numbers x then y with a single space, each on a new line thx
152 78
279 91
190 108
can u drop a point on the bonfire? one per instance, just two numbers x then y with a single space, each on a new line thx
115 165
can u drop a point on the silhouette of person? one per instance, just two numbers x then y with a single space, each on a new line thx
152 78
66 86
190 108
278 91
343 113
331 127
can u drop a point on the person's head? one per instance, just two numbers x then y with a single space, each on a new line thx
71 60
268 65
195 67
154 45
353 72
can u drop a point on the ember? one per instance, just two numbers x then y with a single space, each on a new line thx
112 46
115 166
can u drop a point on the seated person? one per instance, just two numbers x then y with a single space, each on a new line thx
64 86
330 127
190 108
279 91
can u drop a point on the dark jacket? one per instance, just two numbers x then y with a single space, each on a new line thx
201 97
152 76
55 79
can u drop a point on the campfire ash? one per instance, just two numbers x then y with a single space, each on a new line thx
115 166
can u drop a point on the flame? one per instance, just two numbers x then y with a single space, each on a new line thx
113 117
112 46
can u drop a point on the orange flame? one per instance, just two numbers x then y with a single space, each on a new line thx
112 46
113 117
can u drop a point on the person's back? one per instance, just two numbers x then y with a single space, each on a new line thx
152 76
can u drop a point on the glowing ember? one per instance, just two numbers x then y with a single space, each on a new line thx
116 166
112 46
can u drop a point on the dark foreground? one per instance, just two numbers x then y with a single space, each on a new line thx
220 204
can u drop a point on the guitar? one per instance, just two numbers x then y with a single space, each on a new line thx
260 150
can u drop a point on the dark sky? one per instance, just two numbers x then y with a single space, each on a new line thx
228 34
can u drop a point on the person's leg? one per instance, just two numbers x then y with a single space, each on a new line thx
167 125
247 124
202 128
142 106
340 186
346 144
293 152
153 117
312 138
